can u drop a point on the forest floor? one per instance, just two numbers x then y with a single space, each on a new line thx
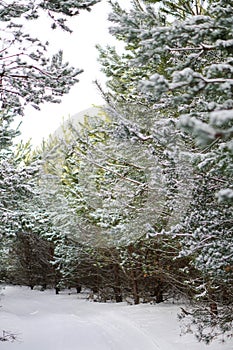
45 321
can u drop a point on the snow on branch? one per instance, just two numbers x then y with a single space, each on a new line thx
8 336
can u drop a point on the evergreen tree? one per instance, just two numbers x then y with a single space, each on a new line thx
28 74
111 189
195 87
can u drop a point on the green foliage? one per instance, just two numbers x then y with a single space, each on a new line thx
194 86
29 75
121 69
182 9
31 11
138 202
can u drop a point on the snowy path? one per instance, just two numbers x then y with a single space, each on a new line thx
62 322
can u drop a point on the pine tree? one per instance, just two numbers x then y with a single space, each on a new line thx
194 88
28 74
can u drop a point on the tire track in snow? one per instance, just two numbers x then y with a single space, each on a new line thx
123 334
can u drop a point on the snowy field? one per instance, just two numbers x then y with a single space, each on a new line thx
45 321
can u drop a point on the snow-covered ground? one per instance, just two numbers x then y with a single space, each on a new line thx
45 321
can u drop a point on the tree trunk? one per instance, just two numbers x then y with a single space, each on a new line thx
158 292
213 310
135 289
78 289
117 288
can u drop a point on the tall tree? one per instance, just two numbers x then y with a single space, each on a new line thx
28 74
195 87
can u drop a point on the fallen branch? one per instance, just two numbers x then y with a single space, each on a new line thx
7 336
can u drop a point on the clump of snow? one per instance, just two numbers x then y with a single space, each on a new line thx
43 320
221 117
225 194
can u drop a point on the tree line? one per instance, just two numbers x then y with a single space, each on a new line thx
135 203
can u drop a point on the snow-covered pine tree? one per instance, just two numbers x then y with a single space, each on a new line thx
16 178
28 74
122 75
17 188
196 86
145 128
110 183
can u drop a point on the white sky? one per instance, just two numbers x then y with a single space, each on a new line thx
89 29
